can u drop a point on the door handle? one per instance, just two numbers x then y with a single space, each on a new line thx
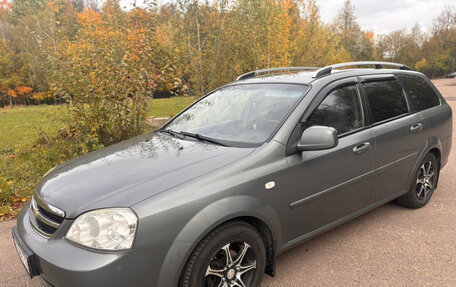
416 128
361 148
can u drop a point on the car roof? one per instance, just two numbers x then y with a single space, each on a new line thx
308 77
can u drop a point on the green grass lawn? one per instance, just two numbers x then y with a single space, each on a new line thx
168 107
20 126
23 162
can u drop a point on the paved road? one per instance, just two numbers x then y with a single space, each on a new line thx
389 246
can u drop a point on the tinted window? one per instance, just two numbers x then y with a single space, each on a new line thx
341 109
386 100
421 93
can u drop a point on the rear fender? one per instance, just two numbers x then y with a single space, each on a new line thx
431 143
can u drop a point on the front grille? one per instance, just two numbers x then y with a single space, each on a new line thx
50 215
45 228
45 219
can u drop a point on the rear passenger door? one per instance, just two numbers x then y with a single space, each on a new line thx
398 136
436 113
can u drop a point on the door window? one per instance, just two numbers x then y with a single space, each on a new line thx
341 109
386 100
421 93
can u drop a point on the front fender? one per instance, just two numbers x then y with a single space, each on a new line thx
206 220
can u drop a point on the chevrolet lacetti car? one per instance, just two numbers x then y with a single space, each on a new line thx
245 173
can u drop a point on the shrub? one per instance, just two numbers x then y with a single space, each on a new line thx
22 168
107 73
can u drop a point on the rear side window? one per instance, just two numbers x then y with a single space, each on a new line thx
341 109
421 93
386 100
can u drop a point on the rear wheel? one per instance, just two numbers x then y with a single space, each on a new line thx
423 185
232 255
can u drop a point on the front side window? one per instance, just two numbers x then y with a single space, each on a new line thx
341 109
420 92
240 114
386 100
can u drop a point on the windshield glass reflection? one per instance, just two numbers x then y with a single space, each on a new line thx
240 114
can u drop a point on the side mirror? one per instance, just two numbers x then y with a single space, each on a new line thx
318 138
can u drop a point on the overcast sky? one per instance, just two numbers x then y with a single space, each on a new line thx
380 16
388 15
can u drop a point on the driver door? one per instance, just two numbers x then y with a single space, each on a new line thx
328 185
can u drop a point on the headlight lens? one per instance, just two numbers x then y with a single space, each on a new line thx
105 229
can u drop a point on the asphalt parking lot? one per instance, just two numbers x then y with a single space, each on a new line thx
389 246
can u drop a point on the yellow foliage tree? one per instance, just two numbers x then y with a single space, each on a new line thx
316 44
107 73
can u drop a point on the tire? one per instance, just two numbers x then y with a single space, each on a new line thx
423 185
207 266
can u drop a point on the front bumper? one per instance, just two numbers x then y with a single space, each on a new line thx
62 264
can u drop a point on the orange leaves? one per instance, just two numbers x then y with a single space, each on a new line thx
42 96
138 15
12 93
106 69
369 35
19 199
15 206
90 18
140 18
23 90
5 5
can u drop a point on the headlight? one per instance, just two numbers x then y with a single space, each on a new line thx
105 229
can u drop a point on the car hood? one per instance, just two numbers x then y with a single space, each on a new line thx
131 171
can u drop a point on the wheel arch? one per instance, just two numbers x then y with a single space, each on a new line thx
433 145
251 210
438 155
265 232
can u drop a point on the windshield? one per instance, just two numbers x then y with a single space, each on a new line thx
246 114
243 113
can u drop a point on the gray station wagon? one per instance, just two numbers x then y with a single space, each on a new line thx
245 173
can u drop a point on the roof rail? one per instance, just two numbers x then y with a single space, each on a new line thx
252 74
378 65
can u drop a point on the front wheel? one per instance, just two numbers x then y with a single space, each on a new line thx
423 185
232 255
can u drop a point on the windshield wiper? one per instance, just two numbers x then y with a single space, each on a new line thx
202 138
192 135
173 133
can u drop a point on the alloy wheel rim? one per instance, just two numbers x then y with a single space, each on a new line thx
425 180
233 265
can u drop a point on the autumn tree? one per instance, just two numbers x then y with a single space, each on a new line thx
439 51
316 44
7 56
38 26
358 43
265 31
223 39
399 46
195 45
108 72
198 33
